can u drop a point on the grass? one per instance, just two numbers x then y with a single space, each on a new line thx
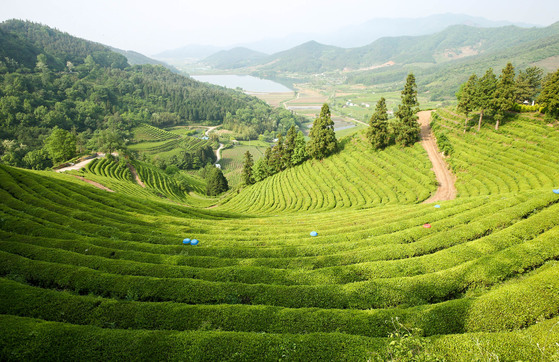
92 275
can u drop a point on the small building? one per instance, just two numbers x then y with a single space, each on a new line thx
218 165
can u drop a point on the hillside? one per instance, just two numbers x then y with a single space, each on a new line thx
91 274
441 61
455 42
234 58
135 58
51 79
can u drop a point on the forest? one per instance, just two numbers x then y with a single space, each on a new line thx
51 79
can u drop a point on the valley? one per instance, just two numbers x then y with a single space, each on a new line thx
357 216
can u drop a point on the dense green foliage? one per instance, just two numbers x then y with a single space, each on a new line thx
248 123
505 94
90 274
549 97
50 79
322 142
282 155
216 182
378 133
407 128
247 177
520 157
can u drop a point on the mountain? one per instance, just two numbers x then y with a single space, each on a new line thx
54 80
135 58
347 37
365 33
455 42
235 58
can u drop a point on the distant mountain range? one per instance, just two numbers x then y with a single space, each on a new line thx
441 61
455 42
348 37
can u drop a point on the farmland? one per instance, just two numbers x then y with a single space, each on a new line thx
96 275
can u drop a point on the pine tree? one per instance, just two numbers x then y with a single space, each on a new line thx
549 98
247 177
407 128
467 98
261 168
277 158
377 133
484 93
528 84
217 183
505 94
323 140
300 150
289 145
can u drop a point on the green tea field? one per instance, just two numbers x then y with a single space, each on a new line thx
87 274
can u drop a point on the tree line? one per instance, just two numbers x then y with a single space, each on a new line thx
405 129
509 92
294 150
322 143
50 79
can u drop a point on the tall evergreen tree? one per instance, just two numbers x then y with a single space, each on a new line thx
300 150
407 128
377 133
485 93
468 97
505 94
261 170
528 84
323 140
247 177
289 145
276 161
216 182
549 98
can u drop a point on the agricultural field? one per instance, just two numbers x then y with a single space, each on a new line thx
97 275
232 159
151 141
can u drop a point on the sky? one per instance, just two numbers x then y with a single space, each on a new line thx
150 27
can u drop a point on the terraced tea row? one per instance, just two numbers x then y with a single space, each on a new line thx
356 177
148 133
478 275
109 168
521 156
94 263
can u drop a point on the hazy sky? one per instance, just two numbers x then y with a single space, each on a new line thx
151 26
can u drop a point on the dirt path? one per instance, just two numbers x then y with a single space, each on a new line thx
209 130
218 152
96 184
445 178
135 175
79 165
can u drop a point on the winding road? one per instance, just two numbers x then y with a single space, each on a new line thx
445 178
221 145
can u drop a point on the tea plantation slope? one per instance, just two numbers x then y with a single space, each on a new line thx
95 275
522 155
355 177
117 176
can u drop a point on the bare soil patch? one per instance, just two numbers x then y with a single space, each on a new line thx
445 179
135 175
96 184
